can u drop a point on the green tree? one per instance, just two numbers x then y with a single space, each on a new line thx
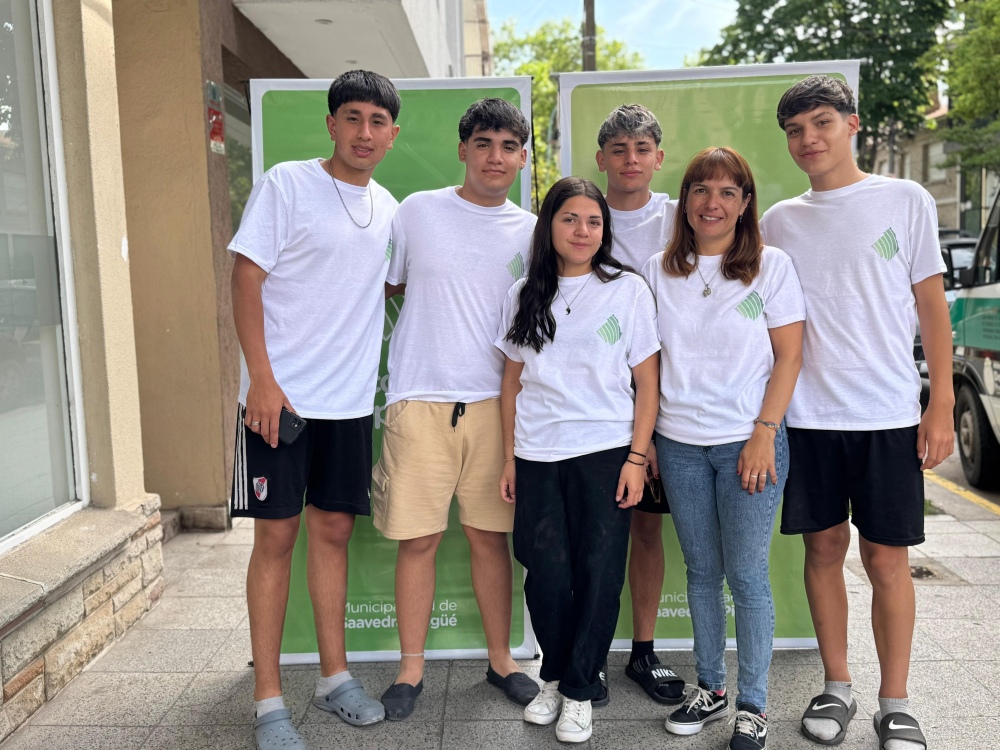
971 57
554 47
890 37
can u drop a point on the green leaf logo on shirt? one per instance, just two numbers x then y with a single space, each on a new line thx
516 266
611 331
388 250
887 247
751 307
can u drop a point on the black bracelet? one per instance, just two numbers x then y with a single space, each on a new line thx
634 463
638 454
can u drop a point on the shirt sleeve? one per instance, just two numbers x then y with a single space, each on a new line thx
925 248
263 231
397 261
645 341
783 301
768 229
506 319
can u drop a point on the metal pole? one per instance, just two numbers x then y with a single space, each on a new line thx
589 36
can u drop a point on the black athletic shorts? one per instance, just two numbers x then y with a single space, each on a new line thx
873 477
328 466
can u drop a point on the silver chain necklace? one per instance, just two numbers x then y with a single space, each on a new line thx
371 198
708 288
569 305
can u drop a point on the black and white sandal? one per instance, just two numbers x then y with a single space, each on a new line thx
826 706
653 675
898 726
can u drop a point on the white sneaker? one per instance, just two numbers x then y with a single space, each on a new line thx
576 722
545 707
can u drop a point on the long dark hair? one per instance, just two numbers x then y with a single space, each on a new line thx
742 260
533 323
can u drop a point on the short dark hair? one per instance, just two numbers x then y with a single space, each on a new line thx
496 115
631 121
363 86
816 91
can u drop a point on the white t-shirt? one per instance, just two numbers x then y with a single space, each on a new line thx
716 358
642 233
576 395
457 260
324 295
858 251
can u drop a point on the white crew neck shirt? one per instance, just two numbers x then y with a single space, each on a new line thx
642 233
858 251
324 291
716 357
458 260
576 396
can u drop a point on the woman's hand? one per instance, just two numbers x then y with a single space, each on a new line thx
757 459
507 479
632 478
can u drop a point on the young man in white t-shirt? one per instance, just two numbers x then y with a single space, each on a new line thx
630 154
312 253
457 251
866 252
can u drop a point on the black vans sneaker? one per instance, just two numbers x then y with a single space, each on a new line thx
750 732
701 705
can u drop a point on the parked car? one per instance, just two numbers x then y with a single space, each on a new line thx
975 323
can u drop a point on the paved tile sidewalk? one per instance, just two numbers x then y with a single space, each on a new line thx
180 678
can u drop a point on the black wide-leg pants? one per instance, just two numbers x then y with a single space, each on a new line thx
572 538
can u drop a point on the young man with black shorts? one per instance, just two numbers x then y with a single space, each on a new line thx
458 250
866 250
312 253
630 154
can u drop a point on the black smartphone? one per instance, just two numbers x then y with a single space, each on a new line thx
290 426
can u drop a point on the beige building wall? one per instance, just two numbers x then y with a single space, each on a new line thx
918 158
164 155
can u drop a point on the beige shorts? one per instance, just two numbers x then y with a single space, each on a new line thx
425 461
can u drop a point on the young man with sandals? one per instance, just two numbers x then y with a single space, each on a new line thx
308 303
866 251
457 251
630 155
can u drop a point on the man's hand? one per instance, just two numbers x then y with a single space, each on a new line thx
507 481
264 401
935 436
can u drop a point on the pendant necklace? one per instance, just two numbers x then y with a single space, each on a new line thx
371 198
569 305
708 288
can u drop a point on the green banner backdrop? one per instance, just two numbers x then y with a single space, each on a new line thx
700 107
288 123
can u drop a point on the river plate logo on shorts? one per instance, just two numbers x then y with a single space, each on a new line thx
886 245
611 331
260 488
751 307
516 266
388 250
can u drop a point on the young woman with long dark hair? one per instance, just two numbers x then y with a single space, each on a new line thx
576 331
729 314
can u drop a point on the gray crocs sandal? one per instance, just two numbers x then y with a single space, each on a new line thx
274 731
352 704
826 706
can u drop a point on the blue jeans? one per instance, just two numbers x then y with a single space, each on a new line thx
725 531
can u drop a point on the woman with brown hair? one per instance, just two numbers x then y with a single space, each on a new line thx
730 316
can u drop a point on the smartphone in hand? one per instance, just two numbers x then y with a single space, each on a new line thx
290 426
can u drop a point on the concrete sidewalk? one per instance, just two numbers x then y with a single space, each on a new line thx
180 678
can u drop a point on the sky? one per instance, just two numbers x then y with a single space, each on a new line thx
663 31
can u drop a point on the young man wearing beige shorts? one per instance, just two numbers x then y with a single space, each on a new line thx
456 252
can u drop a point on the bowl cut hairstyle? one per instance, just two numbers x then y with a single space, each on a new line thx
363 86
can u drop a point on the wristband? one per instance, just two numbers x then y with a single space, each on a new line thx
770 425
634 463
637 453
